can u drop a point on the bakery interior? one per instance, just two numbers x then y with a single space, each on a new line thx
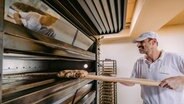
91 35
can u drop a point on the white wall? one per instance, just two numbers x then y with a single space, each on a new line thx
171 39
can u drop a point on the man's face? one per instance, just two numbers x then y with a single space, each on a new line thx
145 46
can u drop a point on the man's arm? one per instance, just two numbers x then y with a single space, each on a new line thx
173 82
17 18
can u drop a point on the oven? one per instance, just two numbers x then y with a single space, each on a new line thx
31 59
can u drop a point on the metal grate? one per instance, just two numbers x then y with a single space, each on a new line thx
107 90
92 17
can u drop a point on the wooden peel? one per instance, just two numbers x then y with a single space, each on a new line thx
121 80
84 74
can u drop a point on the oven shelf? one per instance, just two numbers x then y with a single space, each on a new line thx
48 92
29 42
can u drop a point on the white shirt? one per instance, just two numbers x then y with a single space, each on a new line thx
31 20
168 65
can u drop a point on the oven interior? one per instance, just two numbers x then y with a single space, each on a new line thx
31 61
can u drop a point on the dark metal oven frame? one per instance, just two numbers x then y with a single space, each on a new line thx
24 51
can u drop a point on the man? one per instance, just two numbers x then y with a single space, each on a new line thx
33 20
159 66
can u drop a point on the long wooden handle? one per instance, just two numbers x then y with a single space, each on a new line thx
116 79
95 77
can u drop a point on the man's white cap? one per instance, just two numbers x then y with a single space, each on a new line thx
146 35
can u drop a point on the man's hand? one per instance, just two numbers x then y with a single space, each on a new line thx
17 18
173 82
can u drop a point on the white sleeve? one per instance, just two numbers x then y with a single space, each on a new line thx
24 18
11 12
134 71
23 15
24 22
181 64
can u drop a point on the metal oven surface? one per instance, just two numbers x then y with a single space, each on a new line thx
31 60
